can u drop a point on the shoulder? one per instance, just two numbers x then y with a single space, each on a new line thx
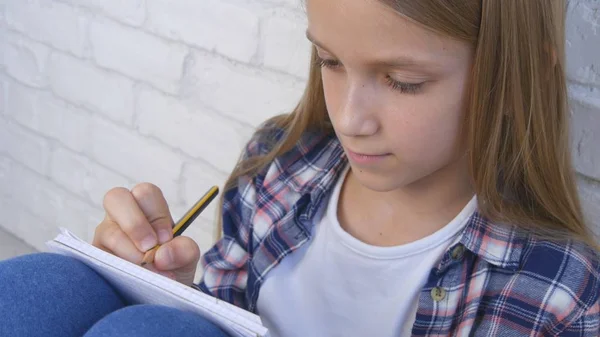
562 278
264 139
297 161
570 264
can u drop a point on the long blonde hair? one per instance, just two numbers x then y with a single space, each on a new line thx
516 122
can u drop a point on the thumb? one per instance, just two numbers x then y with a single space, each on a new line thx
180 256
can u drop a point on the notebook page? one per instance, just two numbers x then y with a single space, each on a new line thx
143 286
250 316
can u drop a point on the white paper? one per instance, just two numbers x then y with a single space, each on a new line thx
140 285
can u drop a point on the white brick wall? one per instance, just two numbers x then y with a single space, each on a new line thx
103 93
583 69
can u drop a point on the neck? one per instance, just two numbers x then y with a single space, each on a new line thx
409 212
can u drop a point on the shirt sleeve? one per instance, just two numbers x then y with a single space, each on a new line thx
226 263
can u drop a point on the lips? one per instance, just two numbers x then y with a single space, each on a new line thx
367 155
363 158
361 154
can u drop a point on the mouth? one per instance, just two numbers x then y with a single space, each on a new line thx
366 158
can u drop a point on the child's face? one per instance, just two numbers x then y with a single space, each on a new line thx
393 90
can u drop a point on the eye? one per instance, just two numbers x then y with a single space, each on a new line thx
327 63
403 87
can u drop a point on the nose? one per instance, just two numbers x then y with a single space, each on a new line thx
356 116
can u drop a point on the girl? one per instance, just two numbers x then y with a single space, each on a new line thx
422 186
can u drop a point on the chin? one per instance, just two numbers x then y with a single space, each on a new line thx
379 181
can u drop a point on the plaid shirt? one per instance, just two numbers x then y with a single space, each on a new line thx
497 281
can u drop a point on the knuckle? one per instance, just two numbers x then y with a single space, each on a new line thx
100 229
114 237
97 240
138 227
114 194
145 189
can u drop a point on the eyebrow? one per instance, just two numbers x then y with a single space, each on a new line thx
314 41
396 62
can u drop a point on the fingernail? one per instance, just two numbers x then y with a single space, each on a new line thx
165 255
164 235
148 242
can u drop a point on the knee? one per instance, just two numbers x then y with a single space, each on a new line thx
147 312
52 294
43 264
155 320
57 274
46 259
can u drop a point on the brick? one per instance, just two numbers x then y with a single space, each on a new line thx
20 104
209 24
138 158
5 164
589 192
3 34
131 12
245 94
49 116
3 96
138 54
19 222
95 89
100 180
57 24
25 60
583 42
2 10
42 198
285 45
198 133
69 170
292 4
3 42
24 147
585 129
82 176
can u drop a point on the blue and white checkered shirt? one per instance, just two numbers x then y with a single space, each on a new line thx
497 281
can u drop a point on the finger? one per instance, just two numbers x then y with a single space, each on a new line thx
154 205
168 274
180 254
109 237
122 208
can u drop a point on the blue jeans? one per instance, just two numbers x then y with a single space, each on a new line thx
53 295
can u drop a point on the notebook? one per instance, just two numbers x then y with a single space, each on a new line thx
139 285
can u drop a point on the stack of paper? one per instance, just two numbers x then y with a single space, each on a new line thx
140 285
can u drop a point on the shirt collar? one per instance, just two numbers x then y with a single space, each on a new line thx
316 162
499 244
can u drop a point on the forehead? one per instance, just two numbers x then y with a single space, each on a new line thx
369 28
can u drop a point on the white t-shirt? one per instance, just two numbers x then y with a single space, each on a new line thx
337 285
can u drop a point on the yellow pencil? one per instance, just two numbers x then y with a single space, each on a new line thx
185 221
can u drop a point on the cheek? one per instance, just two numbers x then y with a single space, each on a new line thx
333 89
427 127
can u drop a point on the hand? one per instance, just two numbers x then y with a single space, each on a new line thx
136 221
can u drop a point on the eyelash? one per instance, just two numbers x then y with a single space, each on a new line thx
407 88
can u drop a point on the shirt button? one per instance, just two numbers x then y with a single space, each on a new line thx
438 293
458 252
